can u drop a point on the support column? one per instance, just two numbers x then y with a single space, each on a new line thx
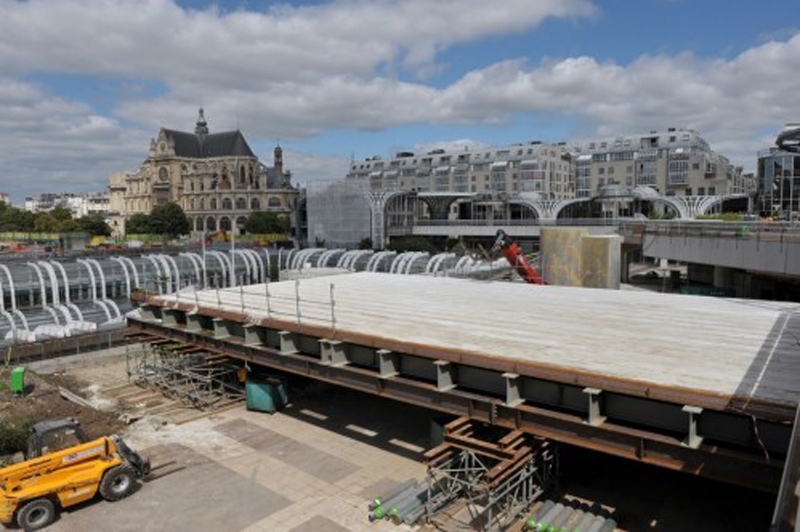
388 363
253 334
596 417
693 439
625 265
220 328
288 342
333 353
723 277
170 316
513 397
148 312
194 322
445 375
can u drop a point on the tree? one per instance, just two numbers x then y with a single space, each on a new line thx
262 223
45 223
169 220
138 224
92 224
365 243
61 214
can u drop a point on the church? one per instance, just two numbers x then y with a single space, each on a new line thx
215 177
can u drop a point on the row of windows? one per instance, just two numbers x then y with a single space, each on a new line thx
227 204
447 159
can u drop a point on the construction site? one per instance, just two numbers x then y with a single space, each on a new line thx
383 391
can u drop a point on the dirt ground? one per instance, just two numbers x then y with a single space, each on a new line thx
43 401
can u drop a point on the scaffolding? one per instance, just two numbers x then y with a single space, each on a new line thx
496 478
194 377
339 213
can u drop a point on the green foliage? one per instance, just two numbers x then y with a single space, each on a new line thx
92 224
138 224
58 220
412 243
45 224
655 215
319 242
14 436
264 223
169 220
724 217
61 214
365 243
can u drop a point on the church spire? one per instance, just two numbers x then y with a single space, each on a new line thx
201 128
278 158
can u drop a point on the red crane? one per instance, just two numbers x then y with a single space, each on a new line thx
516 258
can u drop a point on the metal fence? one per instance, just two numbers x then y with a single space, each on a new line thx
57 347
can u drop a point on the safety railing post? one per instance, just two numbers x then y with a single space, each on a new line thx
266 291
297 298
333 314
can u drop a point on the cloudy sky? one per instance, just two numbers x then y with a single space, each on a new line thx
84 84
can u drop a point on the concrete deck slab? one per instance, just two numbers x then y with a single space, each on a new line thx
725 348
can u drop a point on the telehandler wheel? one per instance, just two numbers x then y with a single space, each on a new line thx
36 514
117 483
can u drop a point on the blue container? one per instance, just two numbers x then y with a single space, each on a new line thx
266 394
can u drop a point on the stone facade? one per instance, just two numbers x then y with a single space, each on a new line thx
675 162
535 167
214 177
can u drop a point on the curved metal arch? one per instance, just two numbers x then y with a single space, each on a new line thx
125 271
5 269
419 255
171 260
157 269
288 259
17 312
713 201
195 266
378 202
257 264
167 271
238 253
375 260
222 265
51 273
35 267
102 277
399 258
136 283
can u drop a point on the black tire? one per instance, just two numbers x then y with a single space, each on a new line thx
117 483
36 514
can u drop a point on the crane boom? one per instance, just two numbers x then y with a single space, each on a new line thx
516 258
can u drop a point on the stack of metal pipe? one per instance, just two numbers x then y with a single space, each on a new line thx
402 504
558 517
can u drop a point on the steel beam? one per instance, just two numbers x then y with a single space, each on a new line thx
663 449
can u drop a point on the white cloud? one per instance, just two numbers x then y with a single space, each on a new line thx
307 167
52 144
293 72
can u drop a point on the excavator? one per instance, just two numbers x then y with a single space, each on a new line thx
516 258
63 468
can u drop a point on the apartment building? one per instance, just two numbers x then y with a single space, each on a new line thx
545 168
675 162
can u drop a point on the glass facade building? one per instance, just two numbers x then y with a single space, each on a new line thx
779 184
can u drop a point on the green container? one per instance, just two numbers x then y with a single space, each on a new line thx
18 379
266 394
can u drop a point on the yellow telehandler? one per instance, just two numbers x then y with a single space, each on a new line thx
63 468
